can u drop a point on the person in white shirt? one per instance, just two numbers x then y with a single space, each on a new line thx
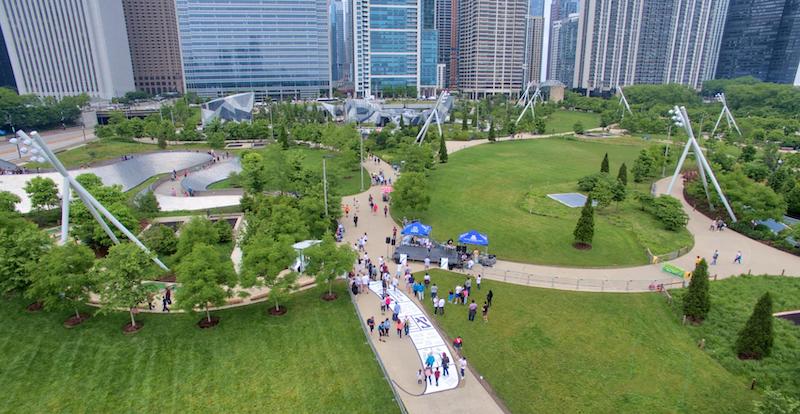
365 282
441 306
394 283
478 281
463 363
427 263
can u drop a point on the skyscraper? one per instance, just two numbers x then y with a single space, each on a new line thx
395 44
533 49
491 46
6 71
564 39
67 47
338 51
625 42
153 40
761 39
444 29
275 48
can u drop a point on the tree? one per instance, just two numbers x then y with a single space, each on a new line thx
224 230
411 193
491 131
756 171
119 277
264 263
205 280
43 192
442 150
697 301
669 211
475 117
584 229
8 202
147 203
62 280
578 128
622 175
604 167
539 126
603 191
327 261
21 244
781 181
160 239
793 200
619 192
643 167
775 402
198 230
755 339
283 137
254 173
216 140
748 153
464 117
162 142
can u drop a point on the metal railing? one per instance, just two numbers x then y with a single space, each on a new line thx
581 284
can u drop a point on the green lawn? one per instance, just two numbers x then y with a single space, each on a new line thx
732 302
312 360
551 351
564 121
348 181
501 189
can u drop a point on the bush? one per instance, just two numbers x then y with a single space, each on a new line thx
644 167
697 301
588 182
669 211
161 239
584 229
224 230
755 339
147 203
756 171
195 231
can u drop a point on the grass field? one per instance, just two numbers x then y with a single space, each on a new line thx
312 360
551 351
494 189
348 181
732 302
564 121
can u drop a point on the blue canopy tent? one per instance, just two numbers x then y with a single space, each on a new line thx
474 238
416 229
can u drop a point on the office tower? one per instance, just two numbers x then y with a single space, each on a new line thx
153 41
761 39
275 48
491 46
533 49
444 29
395 44
6 71
626 42
561 9
68 47
338 51
564 38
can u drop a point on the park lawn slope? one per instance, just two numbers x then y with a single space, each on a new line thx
312 360
732 302
501 189
552 351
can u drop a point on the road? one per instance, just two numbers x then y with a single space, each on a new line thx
56 139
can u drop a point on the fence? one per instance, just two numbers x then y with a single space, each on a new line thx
667 256
580 284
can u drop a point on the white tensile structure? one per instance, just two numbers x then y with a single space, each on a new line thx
529 100
434 113
681 119
35 145
623 101
726 113
236 108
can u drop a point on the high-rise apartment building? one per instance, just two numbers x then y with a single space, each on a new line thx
275 48
444 29
563 41
636 41
6 71
67 47
395 44
491 46
338 34
761 39
533 49
153 41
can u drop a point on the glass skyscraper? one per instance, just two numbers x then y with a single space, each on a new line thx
395 45
275 48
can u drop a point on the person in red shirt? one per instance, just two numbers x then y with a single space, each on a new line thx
436 375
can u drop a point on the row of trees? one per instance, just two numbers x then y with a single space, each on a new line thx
34 112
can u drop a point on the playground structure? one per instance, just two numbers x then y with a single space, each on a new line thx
34 144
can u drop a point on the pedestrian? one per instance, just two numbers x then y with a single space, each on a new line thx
441 306
468 284
458 343
428 375
371 324
714 257
445 364
457 297
473 308
168 295
434 291
385 211
164 305
388 302
738 259
355 220
450 297
485 312
463 366
407 325
435 306
419 377
399 327
396 316
478 281
489 297
427 279
436 375
430 360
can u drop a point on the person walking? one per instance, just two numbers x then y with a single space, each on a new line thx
435 306
441 306
399 327
407 325
371 324
489 297
463 363
485 312
738 258
355 220
473 308
168 295
434 291
478 281
458 343
385 211
427 262
468 284
428 375
430 360
396 315
445 364
714 257
436 375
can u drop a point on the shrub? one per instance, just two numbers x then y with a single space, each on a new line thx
697 301
147 203
588 182
224 230
161 239
755 339
669 211
584 229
